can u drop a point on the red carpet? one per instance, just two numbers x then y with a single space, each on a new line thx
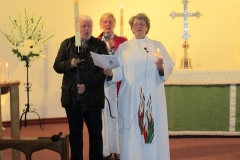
180 148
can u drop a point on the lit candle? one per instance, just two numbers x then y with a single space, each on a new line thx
6 71
158 54
121 20
77 24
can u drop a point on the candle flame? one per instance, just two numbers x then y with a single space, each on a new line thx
6 64
158 50
121 6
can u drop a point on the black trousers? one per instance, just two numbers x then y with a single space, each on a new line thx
93 120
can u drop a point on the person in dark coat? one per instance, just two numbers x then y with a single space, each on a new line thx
82 89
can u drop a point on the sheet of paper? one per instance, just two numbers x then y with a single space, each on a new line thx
97 59
105 61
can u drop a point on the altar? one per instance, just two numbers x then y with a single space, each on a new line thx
13 88
204 102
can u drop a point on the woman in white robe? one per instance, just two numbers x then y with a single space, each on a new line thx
142 112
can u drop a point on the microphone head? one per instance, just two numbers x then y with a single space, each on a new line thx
146 49
55 137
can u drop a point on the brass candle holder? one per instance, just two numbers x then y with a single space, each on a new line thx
186 61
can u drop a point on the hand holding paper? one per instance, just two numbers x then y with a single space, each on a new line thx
105 61
108 72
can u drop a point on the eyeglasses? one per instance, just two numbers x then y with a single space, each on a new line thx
84 26
141 24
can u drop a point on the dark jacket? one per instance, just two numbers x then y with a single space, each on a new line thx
91 76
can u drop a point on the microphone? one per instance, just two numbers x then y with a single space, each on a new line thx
55 137
146 49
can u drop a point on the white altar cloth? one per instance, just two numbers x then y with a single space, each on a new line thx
204 76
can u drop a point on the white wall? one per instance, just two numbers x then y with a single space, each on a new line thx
214 40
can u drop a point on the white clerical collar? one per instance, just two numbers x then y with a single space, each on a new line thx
141 41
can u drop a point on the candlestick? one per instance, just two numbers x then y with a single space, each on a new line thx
0 71
77 24
121 20
6 72
158 54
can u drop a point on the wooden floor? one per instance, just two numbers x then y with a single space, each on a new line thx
180 148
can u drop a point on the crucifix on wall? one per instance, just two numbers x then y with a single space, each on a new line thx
186 61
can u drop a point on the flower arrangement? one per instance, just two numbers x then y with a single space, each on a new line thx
26 37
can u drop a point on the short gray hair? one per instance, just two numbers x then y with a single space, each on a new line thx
142 16
85 18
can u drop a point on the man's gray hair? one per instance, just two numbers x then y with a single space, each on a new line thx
85 18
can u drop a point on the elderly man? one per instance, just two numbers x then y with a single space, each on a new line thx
82 89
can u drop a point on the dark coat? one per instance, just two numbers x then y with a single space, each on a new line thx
91 76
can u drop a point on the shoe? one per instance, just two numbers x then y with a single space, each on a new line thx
106 158
116 156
